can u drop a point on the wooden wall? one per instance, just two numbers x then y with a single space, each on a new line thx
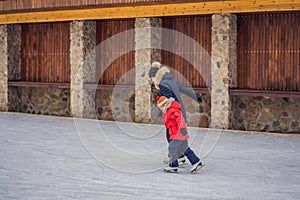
121 71
197 28
269 51
46 52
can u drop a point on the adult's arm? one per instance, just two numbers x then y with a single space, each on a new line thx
165 91
190 93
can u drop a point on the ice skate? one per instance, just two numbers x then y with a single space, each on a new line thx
166 160
181 160
196 167
171 169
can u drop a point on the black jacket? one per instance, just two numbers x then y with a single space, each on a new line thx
169 87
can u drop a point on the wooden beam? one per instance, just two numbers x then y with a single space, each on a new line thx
107 87
210 7
38 84
266 93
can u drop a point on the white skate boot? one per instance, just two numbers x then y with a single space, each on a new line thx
196 167
171 169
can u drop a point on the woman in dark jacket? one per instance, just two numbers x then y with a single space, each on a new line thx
169 87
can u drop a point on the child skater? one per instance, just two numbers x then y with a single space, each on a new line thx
178 145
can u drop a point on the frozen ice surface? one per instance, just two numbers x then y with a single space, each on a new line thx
43 157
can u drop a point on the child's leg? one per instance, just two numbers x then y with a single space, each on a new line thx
181 155
188 152
174 146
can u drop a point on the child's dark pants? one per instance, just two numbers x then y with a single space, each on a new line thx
178 147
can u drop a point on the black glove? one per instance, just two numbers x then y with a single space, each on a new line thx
199 99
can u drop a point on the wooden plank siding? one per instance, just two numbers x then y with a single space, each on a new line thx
198 29
269 51
46 52
121 70
25 5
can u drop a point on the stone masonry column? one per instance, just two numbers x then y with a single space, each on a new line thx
14 41
3 68
14 52
224 69
148 50
83 68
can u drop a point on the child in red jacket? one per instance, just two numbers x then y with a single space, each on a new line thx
175 122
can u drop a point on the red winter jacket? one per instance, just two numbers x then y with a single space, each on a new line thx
175 122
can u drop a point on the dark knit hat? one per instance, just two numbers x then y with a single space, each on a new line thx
153 71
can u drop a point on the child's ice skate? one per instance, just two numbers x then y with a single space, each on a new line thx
171 169
166 160
196 167
181 160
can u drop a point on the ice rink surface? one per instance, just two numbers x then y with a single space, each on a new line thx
44 157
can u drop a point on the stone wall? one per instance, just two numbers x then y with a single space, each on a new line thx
269 114
199 115
39 100
115 105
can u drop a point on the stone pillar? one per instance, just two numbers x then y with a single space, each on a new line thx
3 68
148 49
224 68
14 52
83 68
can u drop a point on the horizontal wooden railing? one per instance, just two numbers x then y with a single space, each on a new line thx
234 92
265 93
85 86
38 84
66 85
107 87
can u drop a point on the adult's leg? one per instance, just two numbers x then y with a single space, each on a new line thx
168 135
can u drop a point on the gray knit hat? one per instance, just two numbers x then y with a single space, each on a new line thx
154 68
